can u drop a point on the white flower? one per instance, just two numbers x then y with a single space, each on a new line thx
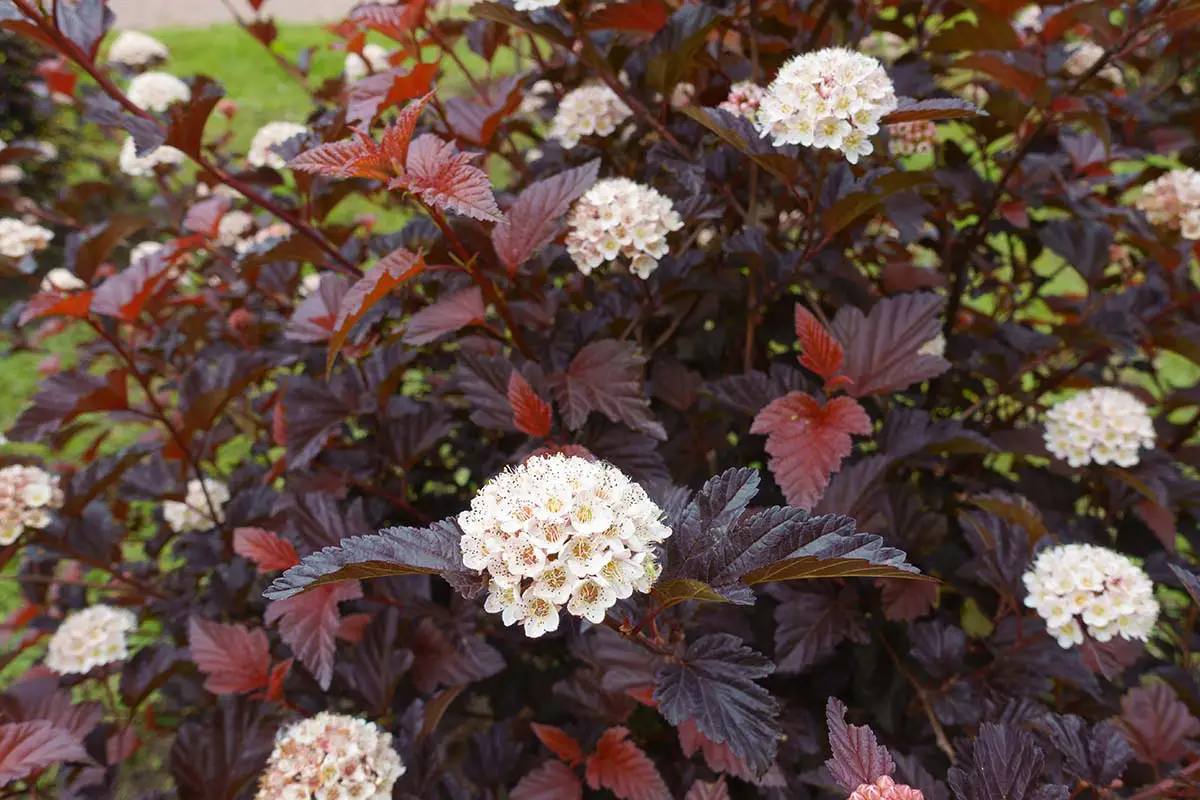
934 347
1083 55
906 138
277 230
558 531
619 219
233 226
157 91
833 98
536 98
90 638
1100 588
193 513
682 94
136 49
310 283
533 5
1173 201
1099 426
18 239
61 279
11 173
143 166
1028 21
373 55
25 495
268 137
586 111
744 99
331 756
143 250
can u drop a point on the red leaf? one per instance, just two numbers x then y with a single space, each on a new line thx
718 755
904 601
352 627
96 242
204 217
703 790
391 271
606 376
358 156
1156 723
531 414
1024 83
807 441
476 120
125 294
532 220
376 93
279 674
392 20
268 550
314 319
882 349
621 767
29 746
398 136
445 178
65 396
52 304
233 658
641 16
447 315
821 352
559 742
550 781
857 757
308 624
185 129
1160 520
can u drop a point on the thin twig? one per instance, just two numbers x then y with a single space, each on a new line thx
939 733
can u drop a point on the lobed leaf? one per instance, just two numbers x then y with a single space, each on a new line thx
308 623
391 271
1156 723
531 414
26 747
606 376
857 757
268 550
820 352
532 220
233 658
447 179
882 347
559 742
620 766
447 315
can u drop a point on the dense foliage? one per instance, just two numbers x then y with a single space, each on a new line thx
803 369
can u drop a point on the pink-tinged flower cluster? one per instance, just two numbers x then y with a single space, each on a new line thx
356 66
1173 201
1103 589
193 513
833 98
27 495
886 789
157 91
618 219
1099 426
331 757
587 111
137 49
267 138
557 531
907 138
90 638
18 239
744 99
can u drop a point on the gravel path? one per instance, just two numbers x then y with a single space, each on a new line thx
147 14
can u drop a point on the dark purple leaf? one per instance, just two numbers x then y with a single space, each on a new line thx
29 746
858 757
447 315
1156 723
810 625
606 376
531 222
881 348
1004 761
315 317
444 656
1096 754
308 623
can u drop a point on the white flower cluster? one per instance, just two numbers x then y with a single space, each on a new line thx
934 347
1173 201
157 91
11 173
1082 55
18 239
233 227
533 5
618 218
61 279
537 97
1101 587
1099 426
833 98
744 99
1028 21
26 496
193 514
585 111
276 230
269 136
310 283
143 166
90 638
906 138
356 66
137 49
331 757
143 250
557 530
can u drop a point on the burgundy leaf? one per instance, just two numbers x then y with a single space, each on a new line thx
905 601
811 624
125 294
65 396
719 756
857 757
476 120
447 315
29 746
606 376
443 656
807 441
882 348
398 136
553 780
447 179
52 304
268 550
388 273
349 157
703 790
90 247
308 624
204 217
820 352
531 414
910 110
395 20
1156 723
186 121
233 658
620 766
639 16
314 319
532 220
559 742
376 93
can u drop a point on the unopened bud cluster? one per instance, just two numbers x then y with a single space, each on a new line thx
618 219
833 98
587 111
193 513
90 638
886 789
561 530
1074 587
1099 426
331 757
744 99
1173 201
907 138
27 495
